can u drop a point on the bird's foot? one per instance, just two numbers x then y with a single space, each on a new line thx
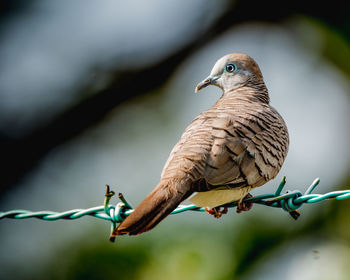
244 205
216 212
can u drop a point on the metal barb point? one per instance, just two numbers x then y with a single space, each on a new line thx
112 238
295 214
281 186
126 204
313 186
109 193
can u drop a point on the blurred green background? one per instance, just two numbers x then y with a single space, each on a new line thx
98 92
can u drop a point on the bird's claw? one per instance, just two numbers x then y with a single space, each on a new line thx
216 212
244 205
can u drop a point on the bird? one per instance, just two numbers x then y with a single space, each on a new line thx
240 143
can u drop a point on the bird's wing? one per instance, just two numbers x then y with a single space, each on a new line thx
190 153
248 149
245 147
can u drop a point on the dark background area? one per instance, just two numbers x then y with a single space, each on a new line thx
77 117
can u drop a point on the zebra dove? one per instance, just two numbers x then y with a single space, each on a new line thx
239 144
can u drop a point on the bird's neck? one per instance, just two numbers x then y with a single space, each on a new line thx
253 91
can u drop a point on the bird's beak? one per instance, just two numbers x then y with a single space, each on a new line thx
208 81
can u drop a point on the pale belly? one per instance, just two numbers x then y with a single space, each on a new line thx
216 198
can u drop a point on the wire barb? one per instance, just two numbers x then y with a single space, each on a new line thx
289 202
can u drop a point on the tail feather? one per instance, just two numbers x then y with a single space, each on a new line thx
154 208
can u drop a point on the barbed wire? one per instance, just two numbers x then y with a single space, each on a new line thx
289 202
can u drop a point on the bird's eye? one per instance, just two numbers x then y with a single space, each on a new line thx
230 67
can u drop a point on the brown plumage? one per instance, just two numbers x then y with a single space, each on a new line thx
238 144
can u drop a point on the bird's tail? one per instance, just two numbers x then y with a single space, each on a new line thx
155 207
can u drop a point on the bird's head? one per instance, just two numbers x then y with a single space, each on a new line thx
232 71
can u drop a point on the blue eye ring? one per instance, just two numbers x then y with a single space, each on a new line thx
230 67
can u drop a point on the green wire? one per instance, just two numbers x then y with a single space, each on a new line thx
290 201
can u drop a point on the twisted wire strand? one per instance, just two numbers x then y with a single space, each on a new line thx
290 202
